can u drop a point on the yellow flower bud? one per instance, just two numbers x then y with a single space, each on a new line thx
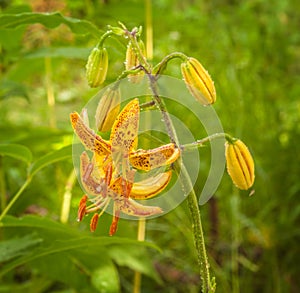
240 164
96 67
108 109
198 81
132 61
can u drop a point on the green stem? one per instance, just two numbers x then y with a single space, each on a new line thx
65 210
198 143
104 37
50 92
149 54
137 49
161 66
14 199
2 186
141 237
236 241
208 285
149 29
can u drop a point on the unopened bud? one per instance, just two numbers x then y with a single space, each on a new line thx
96 67
132 62
108 109
198 81
240 164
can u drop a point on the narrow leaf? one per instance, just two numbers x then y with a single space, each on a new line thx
16 151
106 278
61 52
53 157
11 89
12 248
136 259
66 240
49 20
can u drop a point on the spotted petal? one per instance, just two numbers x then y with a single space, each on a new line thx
88 137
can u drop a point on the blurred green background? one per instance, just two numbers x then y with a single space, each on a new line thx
252 50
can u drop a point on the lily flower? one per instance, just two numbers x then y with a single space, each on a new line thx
109 175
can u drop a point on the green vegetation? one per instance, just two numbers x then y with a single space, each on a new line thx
251 49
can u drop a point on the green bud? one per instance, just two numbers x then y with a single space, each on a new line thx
198 81
96 67
132 61
108 109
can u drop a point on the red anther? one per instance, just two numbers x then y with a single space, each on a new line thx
114 224
82 208
83 200
94 222
108 174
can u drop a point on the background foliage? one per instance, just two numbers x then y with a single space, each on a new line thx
252 50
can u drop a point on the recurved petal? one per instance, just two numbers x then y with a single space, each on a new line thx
89 182
150 159
151 186
130 207
125 129
88 137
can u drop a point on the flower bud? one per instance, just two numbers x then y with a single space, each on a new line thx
108 109
198 81
240 164
132 61
96 67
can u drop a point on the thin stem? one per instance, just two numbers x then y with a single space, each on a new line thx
50 92
2 186
147 105
198 143
140 237
149 54
208 285
104 37
162 107
14 199
138 51
235 240
161 66
65 209
149 30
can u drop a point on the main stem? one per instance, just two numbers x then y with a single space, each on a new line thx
141 237
208 285
137 281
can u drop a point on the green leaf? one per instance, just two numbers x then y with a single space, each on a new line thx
49 20
106 279
137 260
62 52
12 248
10 89
16 151
59 238
53 157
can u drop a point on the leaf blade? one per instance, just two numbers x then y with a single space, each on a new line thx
49 20
53 157
16 151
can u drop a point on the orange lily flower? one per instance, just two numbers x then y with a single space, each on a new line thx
109 176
